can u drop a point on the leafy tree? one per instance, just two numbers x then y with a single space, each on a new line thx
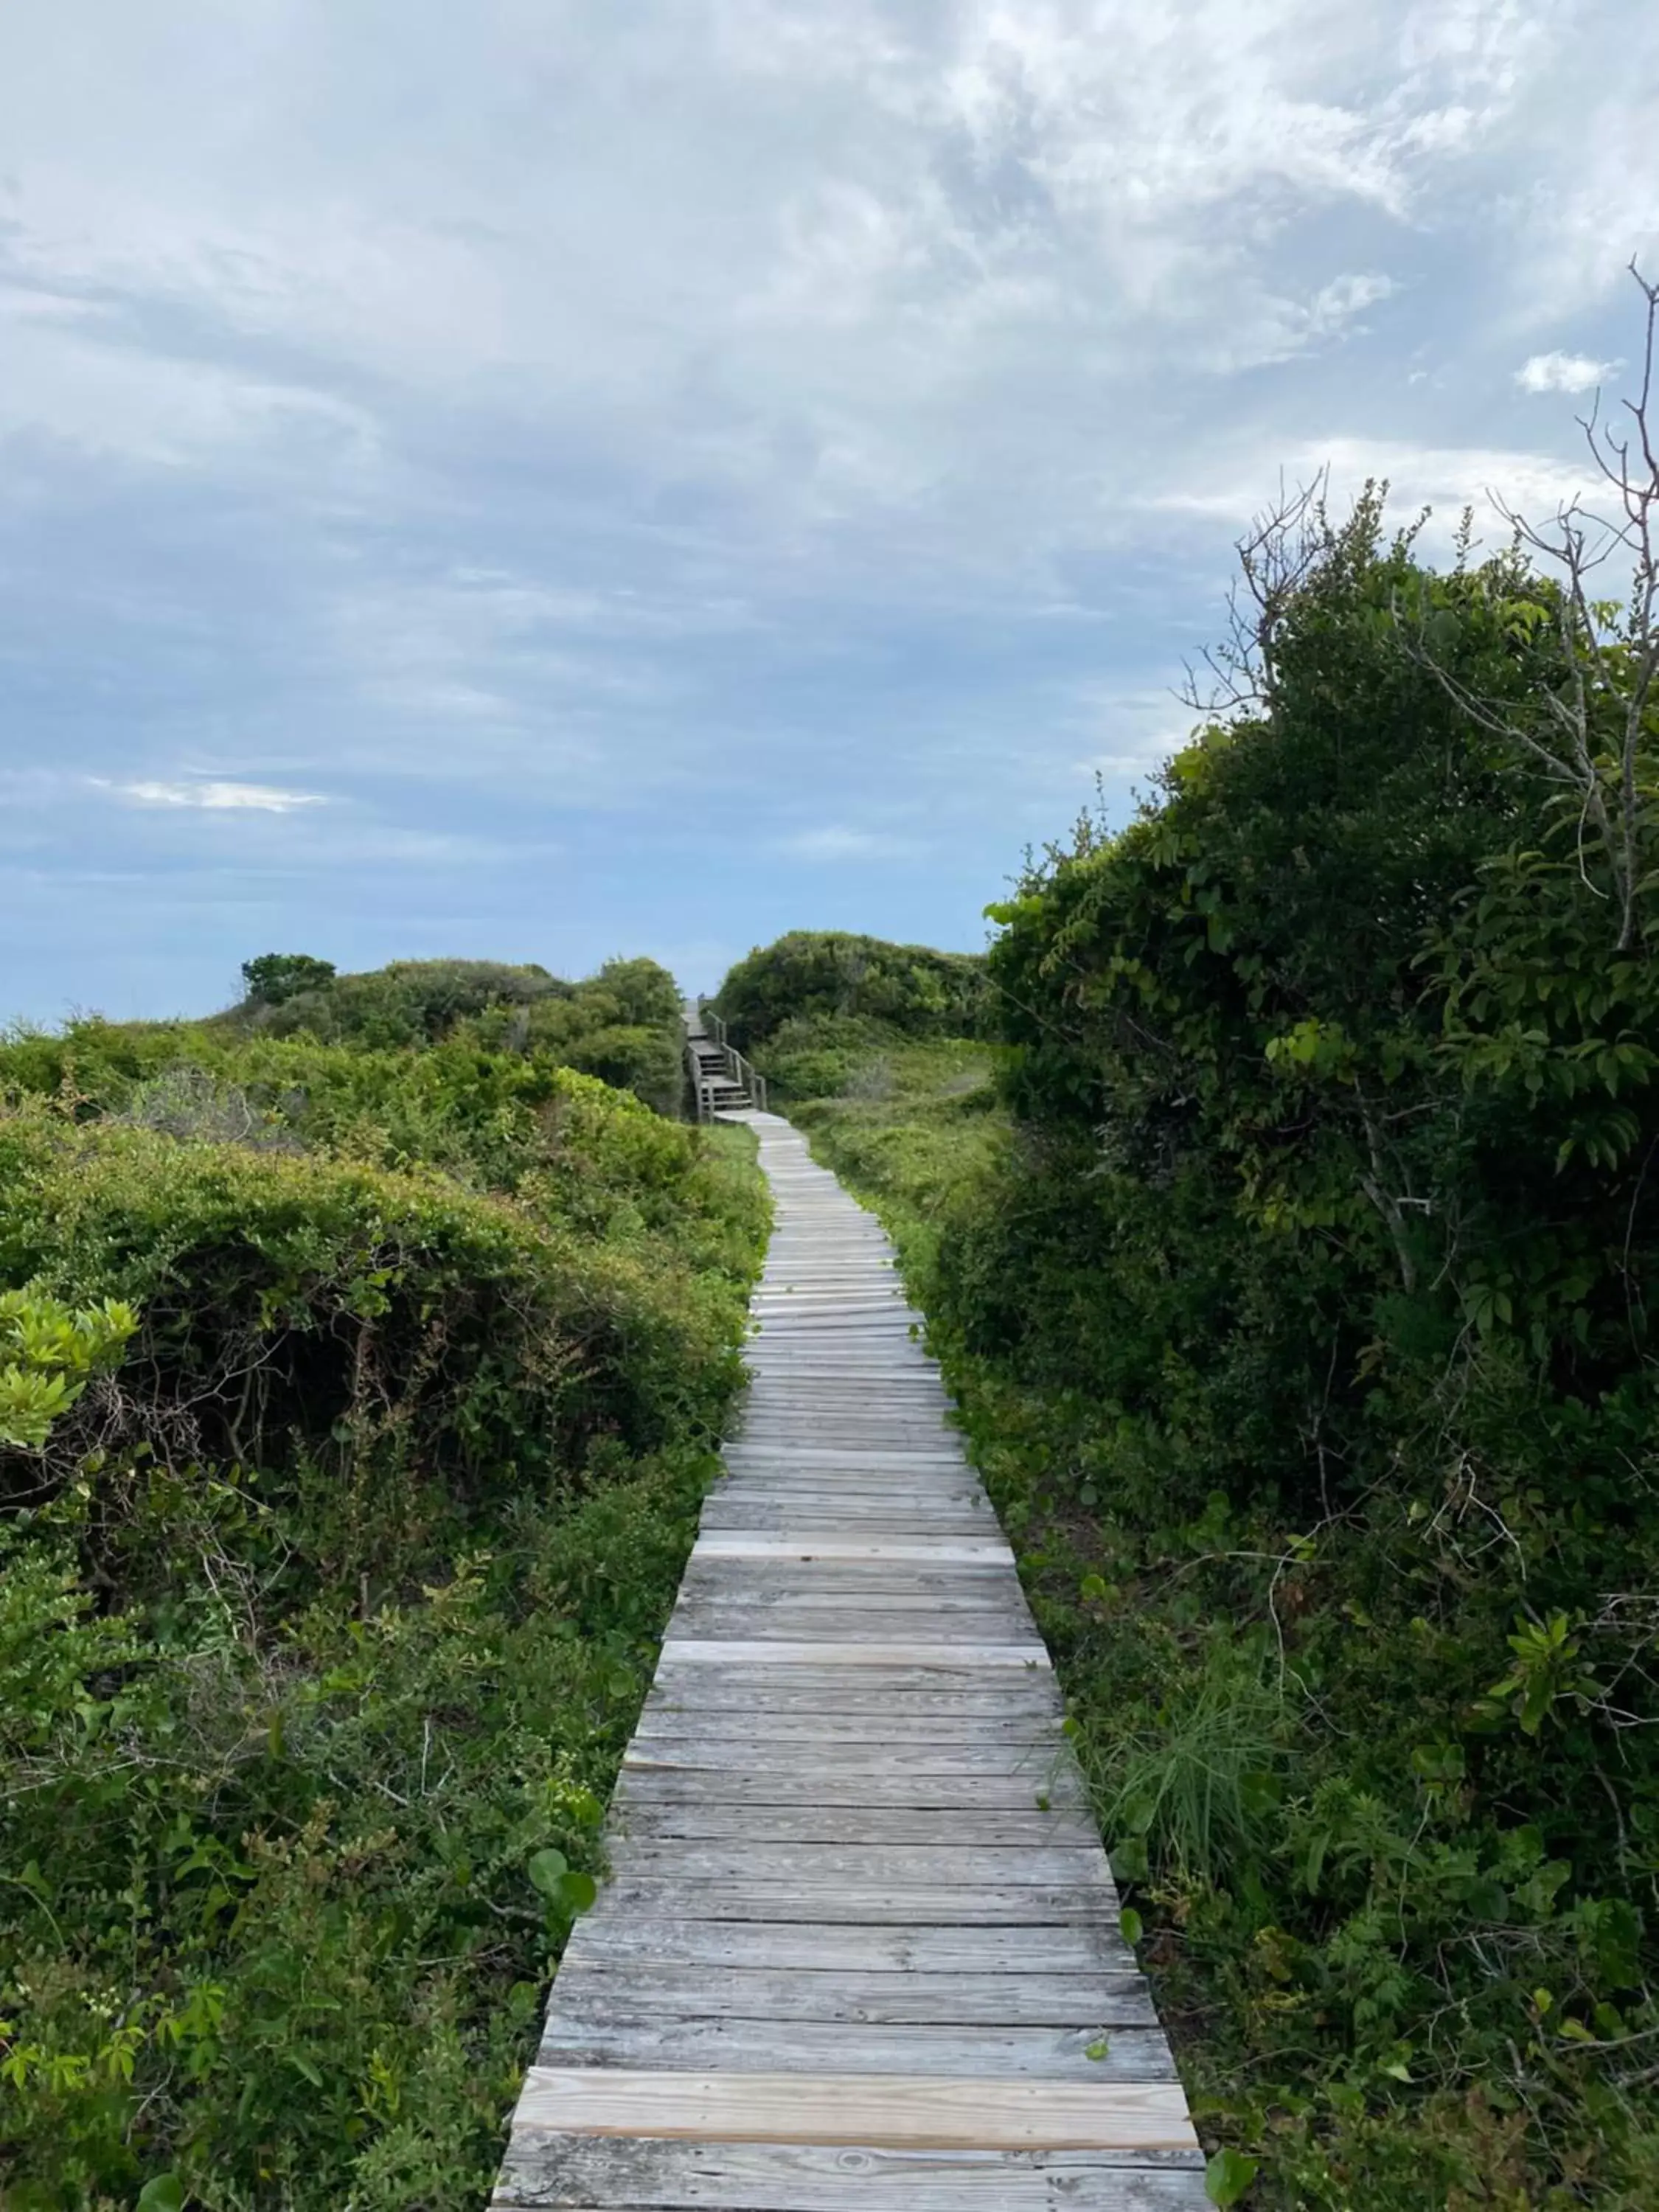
273 978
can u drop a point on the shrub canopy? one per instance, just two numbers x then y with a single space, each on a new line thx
357 1401
907 987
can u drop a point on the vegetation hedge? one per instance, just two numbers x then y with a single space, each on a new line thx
621 1025
1296 1273
355 1405
812 974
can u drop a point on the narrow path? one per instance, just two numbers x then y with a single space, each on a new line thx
861 1946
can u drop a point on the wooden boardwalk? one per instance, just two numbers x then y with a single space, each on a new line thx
861 1947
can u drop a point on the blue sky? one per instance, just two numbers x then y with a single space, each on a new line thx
542 480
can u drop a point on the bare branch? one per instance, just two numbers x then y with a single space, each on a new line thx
1277 555
1589 734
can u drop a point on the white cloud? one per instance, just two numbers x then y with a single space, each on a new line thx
1337 305
1563 372
1446 478
214 797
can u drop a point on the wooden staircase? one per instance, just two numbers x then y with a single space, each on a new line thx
722 1081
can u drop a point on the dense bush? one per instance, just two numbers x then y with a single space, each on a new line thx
48 1352
289 1302
273 977
406 1002
1299 1297
356 1404
821 1055
621 1025
904 987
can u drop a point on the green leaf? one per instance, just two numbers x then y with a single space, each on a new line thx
1129 1858
1228 2175
547 1870
1487 1900
577 1891
164 2193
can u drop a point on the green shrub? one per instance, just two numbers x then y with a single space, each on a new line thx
622 1024
355 1406
409 1002
326 1303
1298 1291
907 987
48 1352
819 1055
275 977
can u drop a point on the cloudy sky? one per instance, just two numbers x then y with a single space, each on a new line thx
545 479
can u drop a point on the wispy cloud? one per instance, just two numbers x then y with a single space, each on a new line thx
1338 306
1446 479
211 795
1563 372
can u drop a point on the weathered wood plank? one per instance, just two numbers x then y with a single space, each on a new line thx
577 2034
918 2112
689 1724
1053 1866
920 1519
851 1762
736 1589
873 1494
989 1581
715 1689
1052 2000
859 1906
741 1513
608 2173
798 1823
810 1452
870 1492
695 1651
741 1619
748 1582
644 1785
982 1552
976 1946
